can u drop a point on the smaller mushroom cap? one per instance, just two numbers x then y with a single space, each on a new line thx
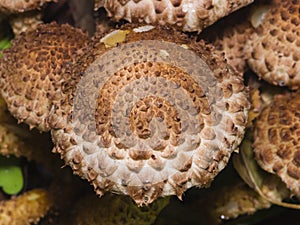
229 35
275 43
17 6
190 15
264 37
32 71
25 21
277 143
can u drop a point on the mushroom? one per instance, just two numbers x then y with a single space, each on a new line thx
154 116
267 40
25 21
23 14
27 208
276 144
19 6
275 44
230 35
32 71
186 14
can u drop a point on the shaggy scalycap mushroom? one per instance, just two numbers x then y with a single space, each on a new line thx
32 71
189 15
230 35
17 6
277 139
154 116
275 44
267 39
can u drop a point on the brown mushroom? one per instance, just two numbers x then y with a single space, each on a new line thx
276 145
23 14
230 35
186 14
267 38
275 44
25 21
17 6
32 71
25 209
152 117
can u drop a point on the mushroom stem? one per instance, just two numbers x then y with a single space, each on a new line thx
25 209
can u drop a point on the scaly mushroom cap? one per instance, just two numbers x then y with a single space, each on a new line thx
190 15
275 44
263 36
277 142
32 71
230 35
17 6
152 117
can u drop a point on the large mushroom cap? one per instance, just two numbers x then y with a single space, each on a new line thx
277 142
275 44
190 15
32 71
16 6
154 116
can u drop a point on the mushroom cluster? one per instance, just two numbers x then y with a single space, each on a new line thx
162 125
149 110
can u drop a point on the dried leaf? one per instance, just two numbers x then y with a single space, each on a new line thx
266 185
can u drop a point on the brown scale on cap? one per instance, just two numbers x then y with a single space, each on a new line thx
189 15
32 71
277 139
17 6
156 115
266 38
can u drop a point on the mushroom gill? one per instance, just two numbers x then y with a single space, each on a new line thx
188 15
32 71
277 144
155 115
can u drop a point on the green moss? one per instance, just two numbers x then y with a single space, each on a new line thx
115 209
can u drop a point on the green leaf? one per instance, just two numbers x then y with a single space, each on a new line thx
4 44
11 177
